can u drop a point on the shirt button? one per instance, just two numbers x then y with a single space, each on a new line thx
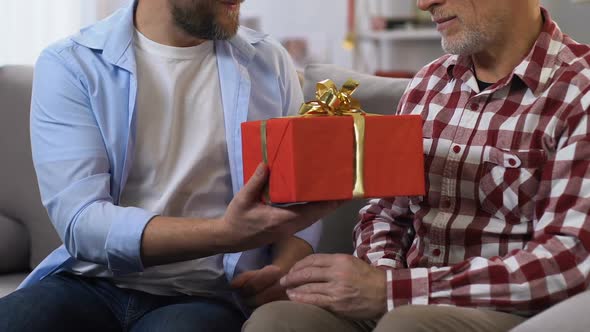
512 162
456 149
445 203
436 252
423 262
474 107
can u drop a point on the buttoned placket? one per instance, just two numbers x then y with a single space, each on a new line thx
471 113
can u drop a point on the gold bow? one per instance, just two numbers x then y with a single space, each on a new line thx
333 102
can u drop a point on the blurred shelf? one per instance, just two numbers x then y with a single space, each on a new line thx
400 34
406 49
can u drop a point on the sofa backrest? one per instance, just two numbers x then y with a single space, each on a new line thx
20 202
378 95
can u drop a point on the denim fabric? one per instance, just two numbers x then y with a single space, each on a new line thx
65 302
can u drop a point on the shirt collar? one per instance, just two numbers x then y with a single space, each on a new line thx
534 70
112 36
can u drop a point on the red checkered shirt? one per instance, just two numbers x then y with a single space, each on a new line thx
505 224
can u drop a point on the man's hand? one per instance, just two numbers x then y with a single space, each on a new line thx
248 223
342 284
260 286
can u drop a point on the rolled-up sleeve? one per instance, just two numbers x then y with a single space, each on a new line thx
74 172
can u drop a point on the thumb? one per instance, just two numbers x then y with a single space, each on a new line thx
266 277
242 279
261 280
252 190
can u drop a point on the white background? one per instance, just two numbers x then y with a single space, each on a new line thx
27 26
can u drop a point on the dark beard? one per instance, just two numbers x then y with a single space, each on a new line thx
202 21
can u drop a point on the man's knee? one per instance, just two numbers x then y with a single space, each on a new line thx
422 318
274 316
291 316
407 319
55 304
29 309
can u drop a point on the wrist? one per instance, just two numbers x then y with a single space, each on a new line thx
227 238
289 251
383 291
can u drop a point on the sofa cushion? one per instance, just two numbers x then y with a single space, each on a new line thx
9 282
14 246
377 95
19 194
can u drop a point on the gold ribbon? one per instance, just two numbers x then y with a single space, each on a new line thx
331 101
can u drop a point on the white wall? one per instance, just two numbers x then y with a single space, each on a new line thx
28 26
322 22
572 18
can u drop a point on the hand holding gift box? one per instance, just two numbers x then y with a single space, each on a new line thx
335 151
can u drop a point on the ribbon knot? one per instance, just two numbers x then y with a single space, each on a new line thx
331 101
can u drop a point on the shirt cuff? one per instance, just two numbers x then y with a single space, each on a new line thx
123 245
311 235
407 287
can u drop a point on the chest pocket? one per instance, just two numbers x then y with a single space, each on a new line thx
509 182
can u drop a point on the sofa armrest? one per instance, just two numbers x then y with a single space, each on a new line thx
10 282
571 315
19 195
14 246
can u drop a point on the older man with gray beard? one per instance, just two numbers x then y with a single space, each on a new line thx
135 127
504 229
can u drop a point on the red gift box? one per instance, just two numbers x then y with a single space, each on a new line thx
314 158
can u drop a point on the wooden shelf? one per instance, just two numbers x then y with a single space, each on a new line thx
400 34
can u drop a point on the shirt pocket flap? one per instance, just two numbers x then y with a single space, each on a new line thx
532 158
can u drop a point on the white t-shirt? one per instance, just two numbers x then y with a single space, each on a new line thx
180 166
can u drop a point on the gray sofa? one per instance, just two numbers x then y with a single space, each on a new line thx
26 235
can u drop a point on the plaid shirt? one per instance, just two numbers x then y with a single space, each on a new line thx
505 224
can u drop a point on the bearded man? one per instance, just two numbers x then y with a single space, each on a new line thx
135 136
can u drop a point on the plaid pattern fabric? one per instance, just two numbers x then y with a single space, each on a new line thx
505 224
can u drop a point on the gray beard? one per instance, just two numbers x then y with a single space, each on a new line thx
471 43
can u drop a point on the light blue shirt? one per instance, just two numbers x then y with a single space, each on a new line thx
83 132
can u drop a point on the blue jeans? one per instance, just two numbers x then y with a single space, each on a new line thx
66 303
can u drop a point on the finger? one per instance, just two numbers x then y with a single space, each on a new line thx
306 276
241 279
321 288
273 293
319 300
254 187
262 279
315 260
